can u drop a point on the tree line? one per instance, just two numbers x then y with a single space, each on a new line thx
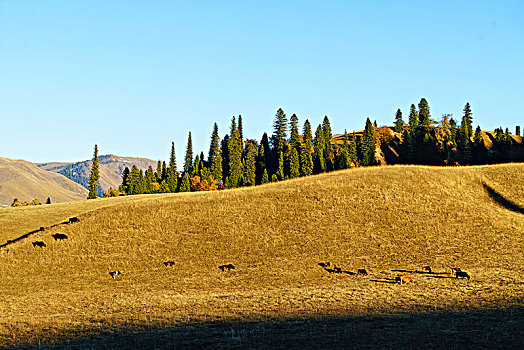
235 161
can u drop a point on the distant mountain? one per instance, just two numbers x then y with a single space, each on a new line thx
25 181
111 170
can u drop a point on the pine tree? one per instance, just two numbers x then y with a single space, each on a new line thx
264 142
328 148
235 156
265 177
172 174
280 166
261 164
189 155
158 173
225 157
125 181
134 182
453 132
353 153
343 158
197 166
215 155
240 130
413 119
368 144
399 123
477 139
280 131
319 162
185 185
250 161
294 139
294 163
306 160
467 121
164 170
149 179
94 177
424 115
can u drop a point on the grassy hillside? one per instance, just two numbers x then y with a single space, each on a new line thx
385 220
26 181
111 169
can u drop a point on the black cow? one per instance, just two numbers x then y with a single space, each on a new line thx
38 244
115 274
59 236
462 274
227 267
362 272
169 263
324 264
73 219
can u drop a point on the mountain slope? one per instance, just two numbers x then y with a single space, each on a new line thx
387 220
25 181
111 170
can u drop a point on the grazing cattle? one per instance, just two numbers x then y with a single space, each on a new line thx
227 267
38 244
426 268
337 269
169 263
362 272
462 274
406 279
398 279
42 228
59 236
115 274
326 264
454 270
73 219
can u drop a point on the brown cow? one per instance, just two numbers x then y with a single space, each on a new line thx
454 270
169 263
115 274
406 279
426 268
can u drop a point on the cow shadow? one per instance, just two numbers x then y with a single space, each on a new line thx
385 280
500 200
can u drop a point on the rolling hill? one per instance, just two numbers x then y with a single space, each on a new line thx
387 220
111 170
25 181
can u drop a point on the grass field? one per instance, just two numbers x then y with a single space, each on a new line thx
387 220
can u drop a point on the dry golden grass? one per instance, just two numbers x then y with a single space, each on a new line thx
380 219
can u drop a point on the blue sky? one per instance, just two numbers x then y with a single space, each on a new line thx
132 76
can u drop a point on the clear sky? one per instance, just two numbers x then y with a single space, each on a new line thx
132 76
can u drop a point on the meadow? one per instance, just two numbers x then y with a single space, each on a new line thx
387 220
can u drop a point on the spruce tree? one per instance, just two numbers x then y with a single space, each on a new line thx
185 185
467 121
215 155
134 181
250 162
172 174
368 144
306 160
328 148
413 119
225 157
240 131
295 137
343 158
399 123
280 166
94 176
294 163
453 132
265 177
197 166
125 181
279 132
149 179
189 155
353 153
424 115
319 162
477 139
158 173
164 171
235 156
264 142
261 164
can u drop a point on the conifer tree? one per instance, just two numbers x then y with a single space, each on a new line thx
295 137
149 179
294 163
261 164
235 156
274 178
467 121
125 181
225 157
424 115
265 177
250 162
94 176
164 170
189 155
197 166
399 123
477 139
172 174
134 182
453 132
328 148
353 154
215 155
279 132
240 131
185 185
264 142
319 162
306 160
280 166
368 144
158 173
343 158
413 119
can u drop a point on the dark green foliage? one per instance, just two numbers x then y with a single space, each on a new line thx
164 170
280 166
265 177
467 121
306 160
215 155
343 157
279 132
319 162
149 180
352 151
261 164
189 155
413 119
477 139
399 123
164 188
197 166
319 142
225 157
172 175
185 185
274 178
294 163
48 200
368 145
294 139
517 130
453 130
250 162
134 181
267 154
125 181
235 148
94 177
424 115
158 174
240 130
328 147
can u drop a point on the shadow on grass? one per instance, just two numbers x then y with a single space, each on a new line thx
385 280
487 329
499 199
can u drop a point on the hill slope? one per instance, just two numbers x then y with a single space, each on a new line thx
25 181
111 169
386 220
